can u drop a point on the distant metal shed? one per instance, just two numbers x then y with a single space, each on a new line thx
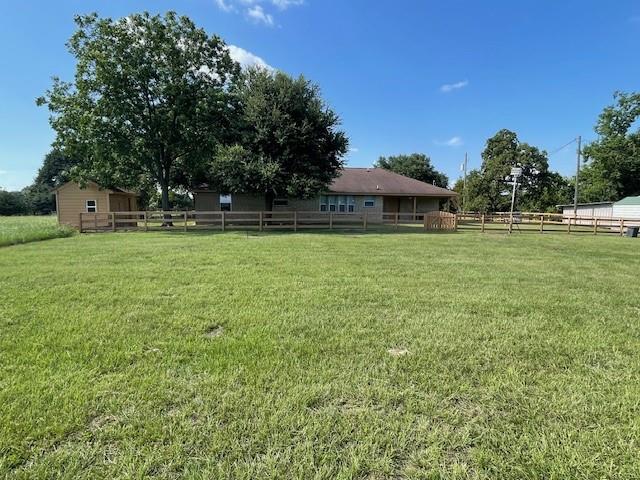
628 207
588 210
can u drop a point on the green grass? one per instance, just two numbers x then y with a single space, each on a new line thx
522 356
24 229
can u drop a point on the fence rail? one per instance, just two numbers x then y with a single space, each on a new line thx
544 222
294 220
220 220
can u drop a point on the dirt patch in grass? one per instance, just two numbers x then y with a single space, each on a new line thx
214 331
398 352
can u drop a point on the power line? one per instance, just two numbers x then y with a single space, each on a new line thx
563 146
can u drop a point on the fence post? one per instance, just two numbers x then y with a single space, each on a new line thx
80 223
569 225
260 220
455 222
222 220
622 227
113 222
146 227
542 223
364 221
330 220
295 220
185 220
396 221
95 221
510 223
482 220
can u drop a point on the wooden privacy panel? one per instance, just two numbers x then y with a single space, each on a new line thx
440 221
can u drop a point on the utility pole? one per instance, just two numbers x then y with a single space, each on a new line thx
464 185
575 193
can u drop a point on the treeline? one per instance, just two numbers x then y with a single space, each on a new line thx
610 169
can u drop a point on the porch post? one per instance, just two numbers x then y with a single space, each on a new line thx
415 204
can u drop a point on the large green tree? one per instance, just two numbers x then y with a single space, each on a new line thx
539 189
289 143
613 161
148 102
415 165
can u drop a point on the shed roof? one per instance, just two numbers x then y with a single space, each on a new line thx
378 181
588 204
109 190
629 201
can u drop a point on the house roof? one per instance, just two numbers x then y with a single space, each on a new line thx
629 201
109 190
378 181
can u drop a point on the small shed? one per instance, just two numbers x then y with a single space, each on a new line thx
72 199
628 207
591 210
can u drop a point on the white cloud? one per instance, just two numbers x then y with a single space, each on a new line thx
354 150
452 142
450 87
284 4
224 6
247 59
254 9
258 15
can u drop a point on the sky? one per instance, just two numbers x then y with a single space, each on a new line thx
428 76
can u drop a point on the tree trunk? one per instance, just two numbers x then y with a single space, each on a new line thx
164 187
269 197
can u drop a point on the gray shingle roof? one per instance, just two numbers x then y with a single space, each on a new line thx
378 181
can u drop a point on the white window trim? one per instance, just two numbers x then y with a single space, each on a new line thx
373 203
94 206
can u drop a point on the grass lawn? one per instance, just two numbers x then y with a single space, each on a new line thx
24 229
318 355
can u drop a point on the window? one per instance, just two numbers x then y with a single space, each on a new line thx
225 203
338 203
369 201
92 206
281 202
323 203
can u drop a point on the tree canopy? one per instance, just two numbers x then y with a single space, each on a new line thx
415 165
150 98
288 141
488 189
613 161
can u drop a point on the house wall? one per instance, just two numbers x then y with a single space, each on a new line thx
210 201
71 201
626 211
590 211
119 202
405 204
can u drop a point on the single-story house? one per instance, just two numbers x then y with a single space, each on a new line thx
356 190
73 199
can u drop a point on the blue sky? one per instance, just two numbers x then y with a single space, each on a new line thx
438 77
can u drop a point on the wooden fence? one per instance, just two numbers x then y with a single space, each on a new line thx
280 220
220 220
544 223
